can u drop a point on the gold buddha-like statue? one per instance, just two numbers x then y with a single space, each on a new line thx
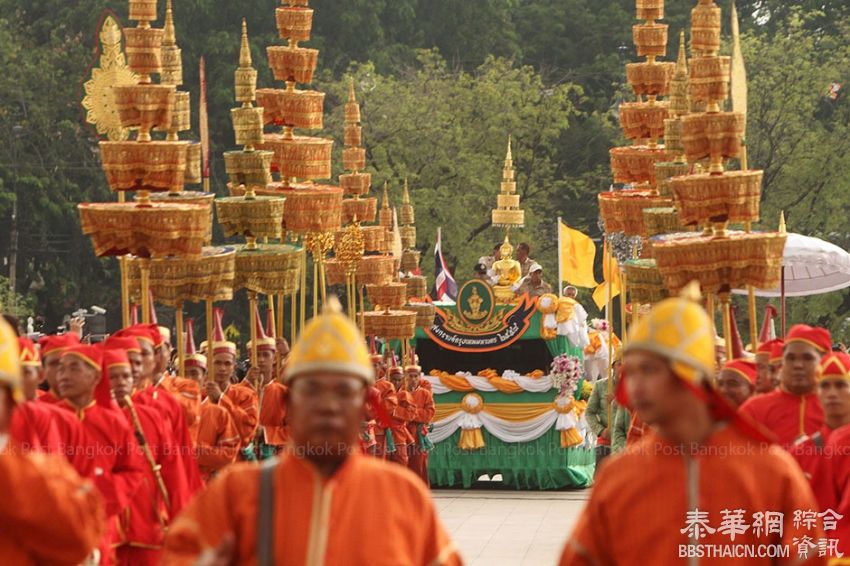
508 271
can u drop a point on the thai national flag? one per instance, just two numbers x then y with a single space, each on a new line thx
445 286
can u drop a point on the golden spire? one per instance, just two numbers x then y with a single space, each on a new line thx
679 104
169 38
245 77
352 96
508 180
682 61
386 203
405 197
245 51
172 56
782 227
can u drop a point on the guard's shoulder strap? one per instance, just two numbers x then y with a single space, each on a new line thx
265 514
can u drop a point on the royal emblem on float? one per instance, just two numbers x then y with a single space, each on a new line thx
478 323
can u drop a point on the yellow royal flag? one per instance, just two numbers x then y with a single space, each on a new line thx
577 254
600 295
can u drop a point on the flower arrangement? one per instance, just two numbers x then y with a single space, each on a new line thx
566 372
599 325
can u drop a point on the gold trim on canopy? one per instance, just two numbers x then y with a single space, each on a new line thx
270 269
155 230
209 277
261 217
736 261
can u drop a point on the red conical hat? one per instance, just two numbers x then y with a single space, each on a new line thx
193 358
768 330
263 341
271 332
737 344
220 345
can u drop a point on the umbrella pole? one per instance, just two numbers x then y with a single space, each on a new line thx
145 274
726 309
782 293
209 307
709 306
181 340
751 291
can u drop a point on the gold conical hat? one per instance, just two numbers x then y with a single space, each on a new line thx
678 330
330 343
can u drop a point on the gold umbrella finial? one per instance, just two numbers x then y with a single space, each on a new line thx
352 96
169 38
682 61
386 203
245 51
783 229
405 197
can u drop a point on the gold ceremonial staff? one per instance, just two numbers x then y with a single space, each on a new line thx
140 437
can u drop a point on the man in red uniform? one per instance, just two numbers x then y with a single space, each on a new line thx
117 465
48 514
700 463
423 416
834 393
143 366
51 349
143 522
240 402
794 410
737 381
185 391
44 427
768 371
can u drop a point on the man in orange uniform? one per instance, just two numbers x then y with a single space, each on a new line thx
834 393
240 402
794 410
768 368
216 438
51 349
260 382
701 463
143 522
737 381
403 413
48 514
117 465
147 394
385 403
308 507
423 416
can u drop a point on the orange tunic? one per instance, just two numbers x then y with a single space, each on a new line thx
642 518
218 439
242 403
785 416
273 414
403 414
48 514
318 521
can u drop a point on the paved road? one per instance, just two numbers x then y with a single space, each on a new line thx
509 528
